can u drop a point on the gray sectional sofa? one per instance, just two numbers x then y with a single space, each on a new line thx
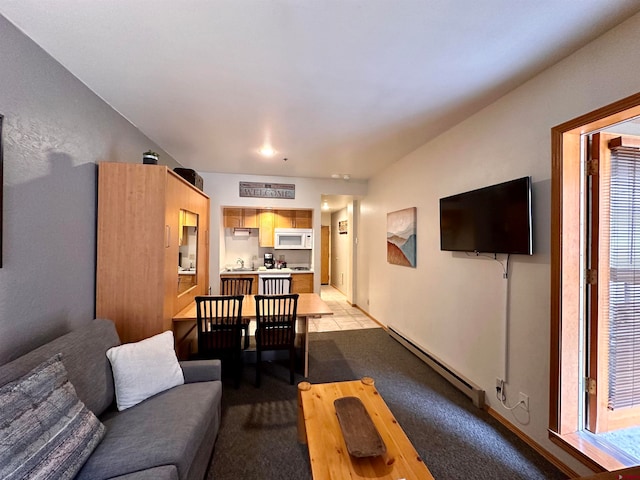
168 436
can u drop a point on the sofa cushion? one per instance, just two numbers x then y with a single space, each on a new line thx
166 429
144 368
45 430
83 354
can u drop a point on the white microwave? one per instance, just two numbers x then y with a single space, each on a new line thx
293 239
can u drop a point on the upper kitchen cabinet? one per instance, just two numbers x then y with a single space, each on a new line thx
152 247
266 225
293 219
240 218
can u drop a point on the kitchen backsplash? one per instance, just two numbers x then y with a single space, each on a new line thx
247 248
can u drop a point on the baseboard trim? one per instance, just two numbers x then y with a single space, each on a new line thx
466 386
532 443
384 327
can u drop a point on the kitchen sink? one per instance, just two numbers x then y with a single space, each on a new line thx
240 269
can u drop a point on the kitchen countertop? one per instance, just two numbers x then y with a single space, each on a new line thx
224 271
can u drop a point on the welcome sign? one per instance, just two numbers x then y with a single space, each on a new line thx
267 190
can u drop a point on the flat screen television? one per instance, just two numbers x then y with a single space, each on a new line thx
494 219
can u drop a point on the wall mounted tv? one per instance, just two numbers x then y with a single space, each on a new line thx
494 219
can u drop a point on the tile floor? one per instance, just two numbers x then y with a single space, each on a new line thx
345 317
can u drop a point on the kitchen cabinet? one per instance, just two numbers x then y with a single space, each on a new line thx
142 212
266 226
302 283
250 218
303 219
240 218
285 218
266 221
293 218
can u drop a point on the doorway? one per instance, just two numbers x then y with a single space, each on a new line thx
572 276
340 214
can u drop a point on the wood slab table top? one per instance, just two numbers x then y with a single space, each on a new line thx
309 305
318 426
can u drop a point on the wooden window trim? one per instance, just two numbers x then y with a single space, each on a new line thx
566 274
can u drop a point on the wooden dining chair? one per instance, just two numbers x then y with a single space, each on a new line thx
276 285
238 286
276 328
219 320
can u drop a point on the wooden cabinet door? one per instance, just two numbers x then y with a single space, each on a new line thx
303 219
302 283
250 218
293 218
240 218
175 221
267 221
232 218
285 218
130 288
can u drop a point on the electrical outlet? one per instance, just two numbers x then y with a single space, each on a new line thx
524 401
499 384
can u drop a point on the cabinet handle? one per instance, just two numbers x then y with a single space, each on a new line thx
167 231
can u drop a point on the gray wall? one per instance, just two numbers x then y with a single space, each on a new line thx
54 131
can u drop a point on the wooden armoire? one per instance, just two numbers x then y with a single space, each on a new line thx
141 212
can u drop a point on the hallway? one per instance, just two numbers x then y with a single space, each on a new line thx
345 317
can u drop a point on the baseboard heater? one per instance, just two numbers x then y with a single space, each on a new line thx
475 393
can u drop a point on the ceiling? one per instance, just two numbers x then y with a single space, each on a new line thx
334 86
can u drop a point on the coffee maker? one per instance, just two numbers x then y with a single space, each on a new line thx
268 260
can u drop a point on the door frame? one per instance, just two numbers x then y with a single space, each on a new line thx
566 275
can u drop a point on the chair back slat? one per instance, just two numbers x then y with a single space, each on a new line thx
236 286
276 285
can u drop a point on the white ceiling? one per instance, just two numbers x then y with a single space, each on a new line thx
336 86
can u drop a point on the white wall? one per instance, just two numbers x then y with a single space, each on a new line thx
451 304
223 189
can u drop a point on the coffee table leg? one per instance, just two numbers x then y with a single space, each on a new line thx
368 381
302 429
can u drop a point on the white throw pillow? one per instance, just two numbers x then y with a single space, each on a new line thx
142 369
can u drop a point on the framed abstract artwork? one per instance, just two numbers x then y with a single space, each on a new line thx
401 237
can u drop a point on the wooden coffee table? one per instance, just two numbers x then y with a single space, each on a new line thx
318 427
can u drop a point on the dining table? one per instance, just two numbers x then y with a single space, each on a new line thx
310 305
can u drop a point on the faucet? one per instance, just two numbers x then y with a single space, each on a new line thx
240 262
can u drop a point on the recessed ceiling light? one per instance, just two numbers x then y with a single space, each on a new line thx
344 176
267 151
